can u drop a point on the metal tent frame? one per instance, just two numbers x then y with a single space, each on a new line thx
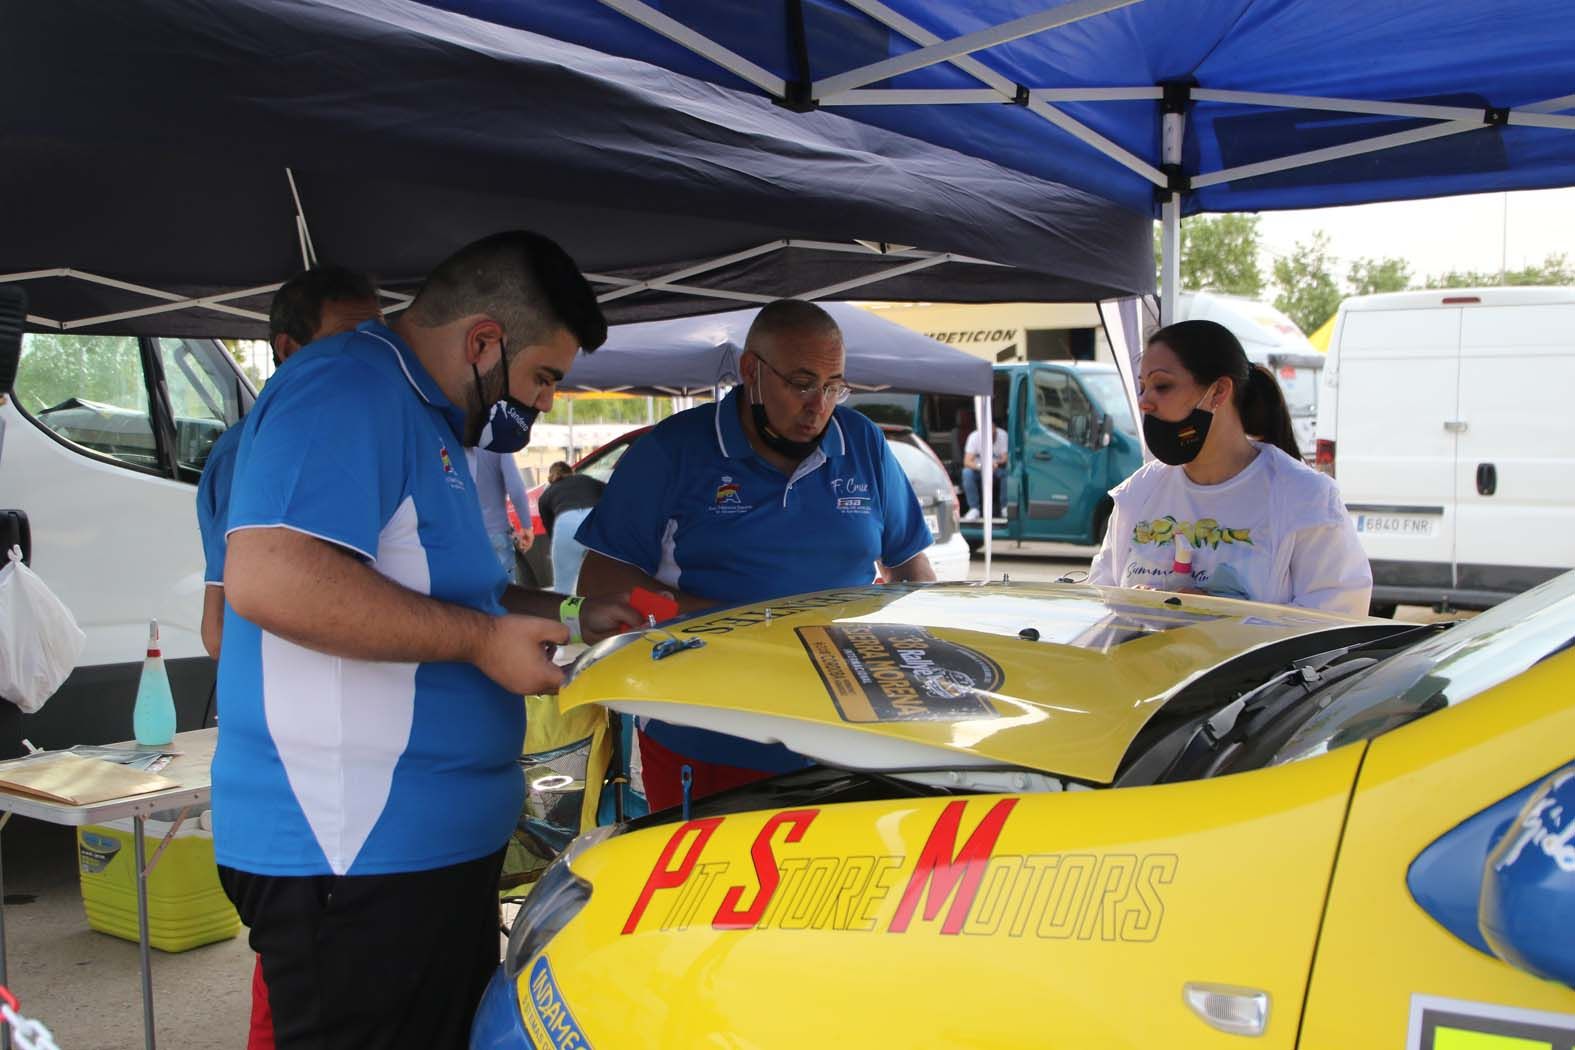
1164 171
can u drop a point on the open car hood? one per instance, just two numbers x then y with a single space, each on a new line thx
1055 678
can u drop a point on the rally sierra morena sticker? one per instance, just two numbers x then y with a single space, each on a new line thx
1447 1024
897 673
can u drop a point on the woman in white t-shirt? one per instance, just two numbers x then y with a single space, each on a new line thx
1251 519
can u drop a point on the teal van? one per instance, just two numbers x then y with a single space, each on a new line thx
1071 438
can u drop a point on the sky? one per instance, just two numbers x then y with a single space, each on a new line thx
1437 235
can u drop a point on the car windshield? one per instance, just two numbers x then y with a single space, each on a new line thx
928 479
601 466
892 408
1440 671
1106 389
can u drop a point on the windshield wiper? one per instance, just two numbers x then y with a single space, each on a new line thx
1200 747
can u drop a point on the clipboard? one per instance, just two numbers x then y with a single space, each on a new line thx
78 781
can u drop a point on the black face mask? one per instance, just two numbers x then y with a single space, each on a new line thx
777 443
1180 442
506 426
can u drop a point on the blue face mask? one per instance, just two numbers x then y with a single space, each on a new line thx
507 428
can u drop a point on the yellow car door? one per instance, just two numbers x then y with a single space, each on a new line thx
1387 973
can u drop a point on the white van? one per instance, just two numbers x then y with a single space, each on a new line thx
101 444
1446 418
1270 339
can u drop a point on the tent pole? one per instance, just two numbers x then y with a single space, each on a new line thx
308 250
1174 127
1170 256
985 425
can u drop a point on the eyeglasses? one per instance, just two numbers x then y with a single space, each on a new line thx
807 390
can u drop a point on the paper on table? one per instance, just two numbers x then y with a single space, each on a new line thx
78 781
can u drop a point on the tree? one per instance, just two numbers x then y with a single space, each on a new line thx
248 353
1308 291
1219 253
1556 269
55 368
1371 276
608 410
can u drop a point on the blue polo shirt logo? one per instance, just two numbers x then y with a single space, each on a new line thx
853 495
729 498
455 482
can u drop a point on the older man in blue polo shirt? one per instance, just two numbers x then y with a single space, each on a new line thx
774 490
373 660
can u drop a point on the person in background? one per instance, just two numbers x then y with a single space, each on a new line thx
564 504
1228 493
366 779
774 490
973 471
314 304
498 479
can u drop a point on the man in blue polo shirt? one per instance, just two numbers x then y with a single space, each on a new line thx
374 657
312 305
775 490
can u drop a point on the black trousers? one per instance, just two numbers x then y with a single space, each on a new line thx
373 961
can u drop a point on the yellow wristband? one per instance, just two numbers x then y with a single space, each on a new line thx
569 613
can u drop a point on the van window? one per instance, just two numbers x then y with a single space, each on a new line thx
90 390
205 398
1061 406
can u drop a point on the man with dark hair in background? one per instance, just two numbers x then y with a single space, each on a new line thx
374 658
312 305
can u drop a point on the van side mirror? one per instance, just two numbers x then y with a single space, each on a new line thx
13 316
1099 433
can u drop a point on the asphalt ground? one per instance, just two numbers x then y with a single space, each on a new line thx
84 985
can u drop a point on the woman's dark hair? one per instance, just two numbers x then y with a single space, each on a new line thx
1209 350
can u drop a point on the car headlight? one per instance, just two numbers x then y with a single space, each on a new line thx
558 896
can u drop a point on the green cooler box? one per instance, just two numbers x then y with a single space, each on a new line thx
186 905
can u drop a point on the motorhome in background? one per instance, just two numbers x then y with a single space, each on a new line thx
1270 339
1445 417
101 444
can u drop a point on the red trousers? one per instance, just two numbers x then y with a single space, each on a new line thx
260 1035
663 774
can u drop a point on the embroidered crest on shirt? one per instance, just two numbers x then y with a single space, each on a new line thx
1205 532
729 498
853 495
453 479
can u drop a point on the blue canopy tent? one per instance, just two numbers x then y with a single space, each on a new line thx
1168 107
169 162
691 355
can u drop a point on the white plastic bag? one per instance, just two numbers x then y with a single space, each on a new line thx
39 638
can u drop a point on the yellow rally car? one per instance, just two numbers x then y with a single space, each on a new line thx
1064 816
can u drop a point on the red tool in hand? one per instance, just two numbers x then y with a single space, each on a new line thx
653 606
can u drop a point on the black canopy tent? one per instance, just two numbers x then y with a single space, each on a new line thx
170 162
